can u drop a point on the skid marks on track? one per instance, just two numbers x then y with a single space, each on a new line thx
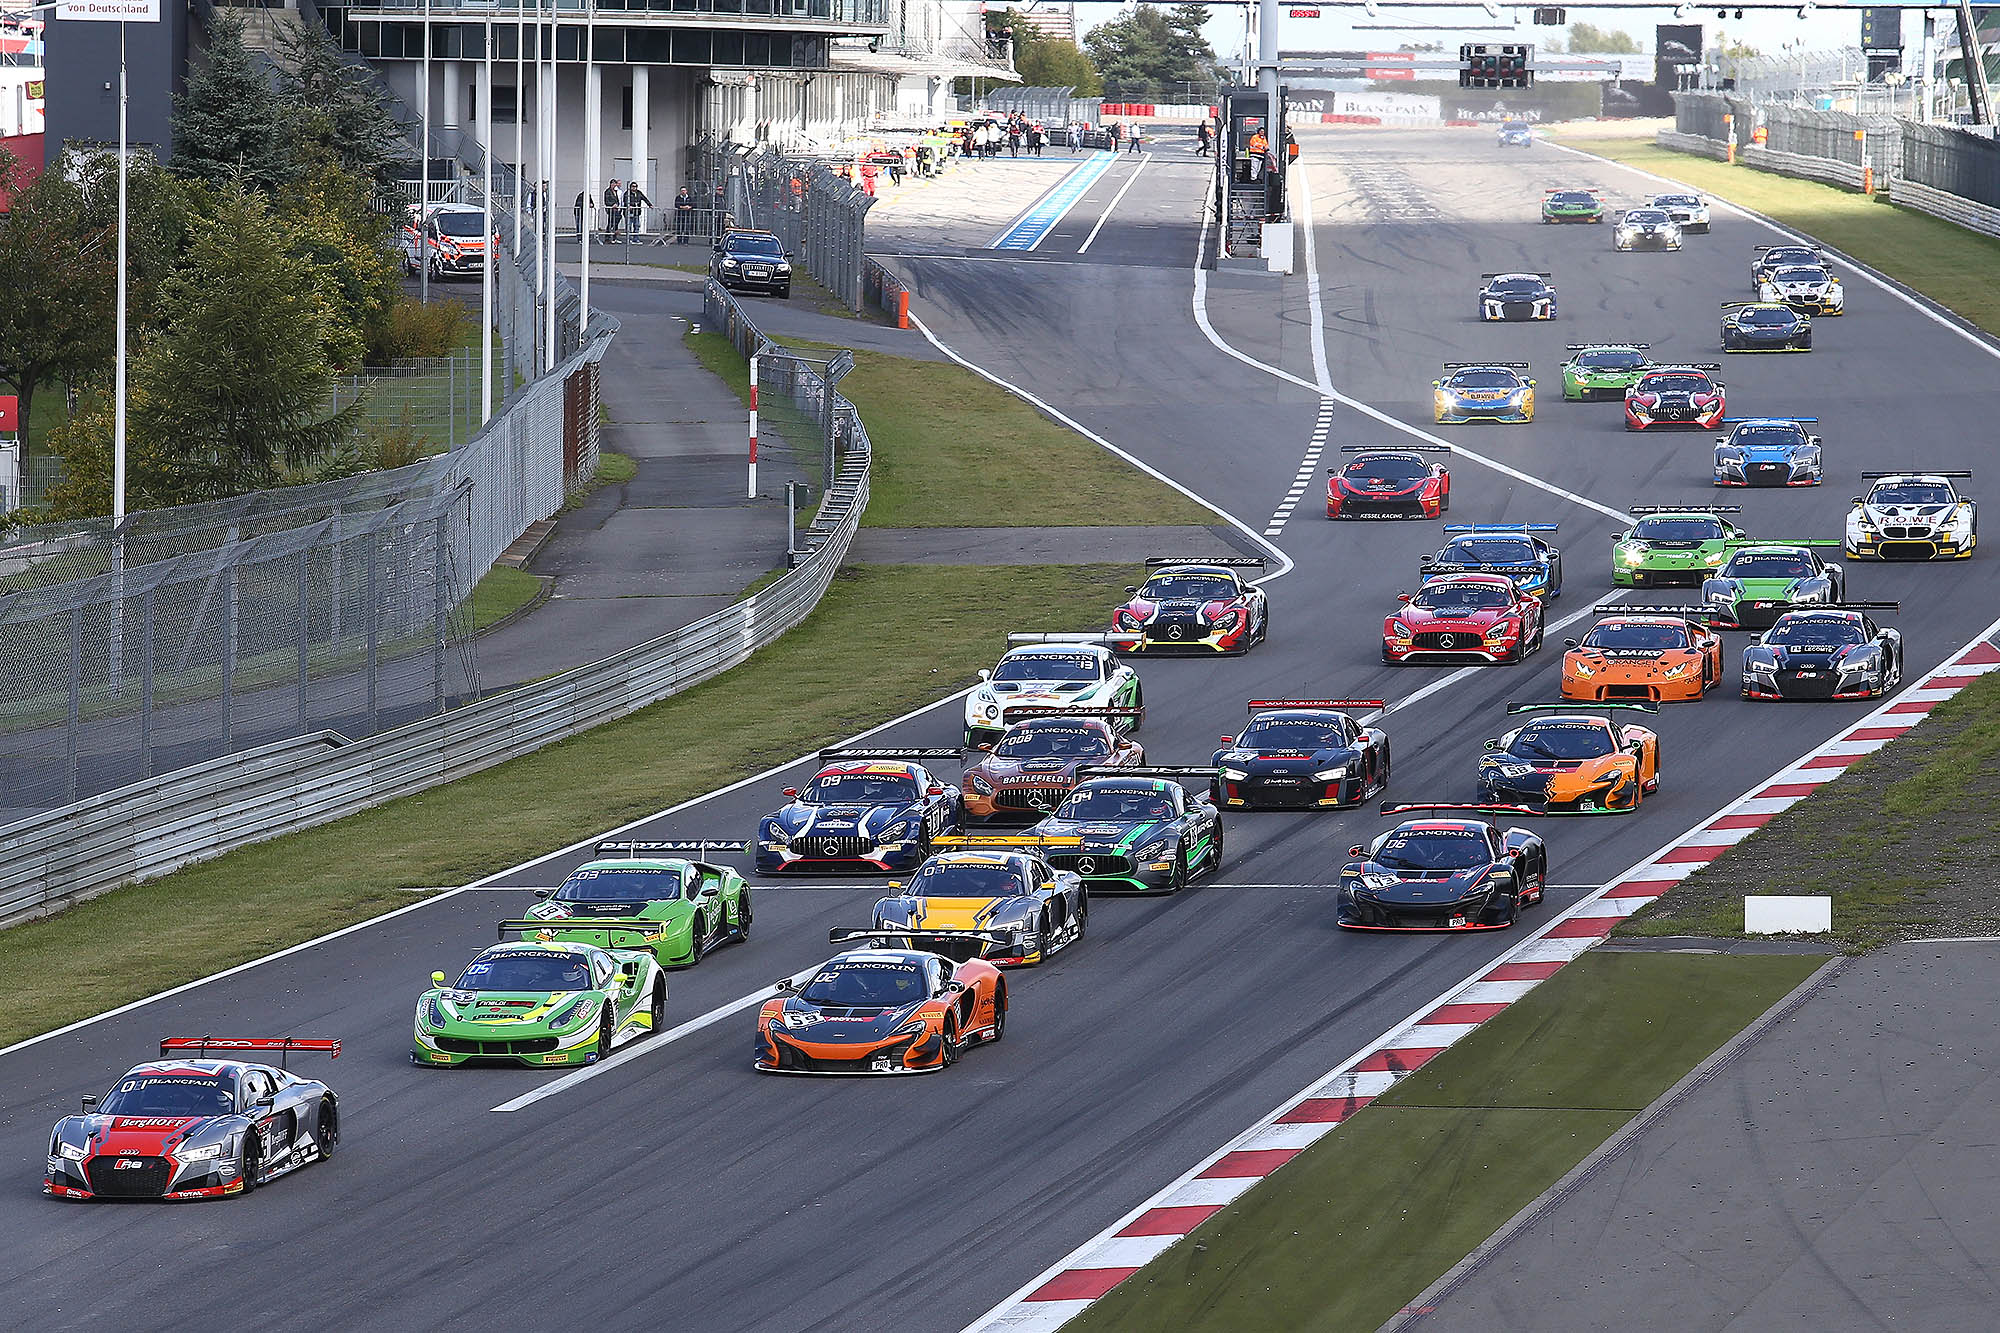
1308 468
1391 194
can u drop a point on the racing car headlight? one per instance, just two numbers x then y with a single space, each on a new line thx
432 1014
775 832
1857 664
1675 671
1765 670
71 1152
979 784
1332 774
1581 670
1499 632
208 1152
1153 850
570 1013
900 831
1399 629
1631 553
912 1027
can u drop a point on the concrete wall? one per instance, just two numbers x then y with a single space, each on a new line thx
82 63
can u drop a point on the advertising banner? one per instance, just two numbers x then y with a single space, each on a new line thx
109 11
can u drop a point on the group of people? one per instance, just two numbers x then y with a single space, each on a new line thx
1133 137
624 210
987 137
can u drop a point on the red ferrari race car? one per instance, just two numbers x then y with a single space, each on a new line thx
1675 396
1389 483
893 1002
1192 605
192 1127
1460 617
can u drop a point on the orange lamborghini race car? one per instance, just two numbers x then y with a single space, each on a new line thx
1573 761
1659 654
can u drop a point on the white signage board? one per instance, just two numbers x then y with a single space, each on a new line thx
109 11
1776 914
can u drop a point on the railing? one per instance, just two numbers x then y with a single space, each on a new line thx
198 813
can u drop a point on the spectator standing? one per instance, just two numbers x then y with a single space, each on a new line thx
614 211
1014 139
636 204
1137 139
1116 134
683 215
1204 139
579 213
1259 145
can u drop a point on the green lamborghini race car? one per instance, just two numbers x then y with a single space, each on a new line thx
1572 206
683 908
1671 545
1603 370
1763 581
541 1002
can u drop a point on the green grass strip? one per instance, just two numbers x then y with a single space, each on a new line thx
849 666
1359 1224
954 451
1956 268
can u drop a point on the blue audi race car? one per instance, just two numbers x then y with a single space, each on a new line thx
1768 451
1302 754
1513 549
864 810
1516 134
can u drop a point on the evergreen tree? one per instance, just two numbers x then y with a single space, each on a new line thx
335 107
1150 53
56 322
1044 62
230 124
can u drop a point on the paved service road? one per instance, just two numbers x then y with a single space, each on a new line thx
735 1202
1837 1174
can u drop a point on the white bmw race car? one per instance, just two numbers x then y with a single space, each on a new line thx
1808 288
1912 516
1050 671
1646 229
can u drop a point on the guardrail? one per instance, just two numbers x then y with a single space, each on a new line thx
149 829
1978 217
1696 144
886 292
1799 165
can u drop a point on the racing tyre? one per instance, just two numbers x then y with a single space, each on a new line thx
1806 342
999 1015
327 1132
949 1056
1215 849
1177 878
253 1158
1082 919
607 1028
743 904
697 943
658 1008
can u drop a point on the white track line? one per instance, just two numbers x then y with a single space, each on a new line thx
1144 158
1308 470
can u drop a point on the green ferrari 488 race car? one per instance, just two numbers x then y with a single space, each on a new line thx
541 1002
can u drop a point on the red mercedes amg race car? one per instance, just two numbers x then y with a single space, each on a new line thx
1192 605
1675 396
1389 483
1461 617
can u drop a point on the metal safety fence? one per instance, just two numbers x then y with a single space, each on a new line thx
196 813
818 214
1954 161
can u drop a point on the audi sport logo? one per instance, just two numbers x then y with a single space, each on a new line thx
1447 640
1086 864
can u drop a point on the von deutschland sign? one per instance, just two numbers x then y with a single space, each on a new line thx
109 11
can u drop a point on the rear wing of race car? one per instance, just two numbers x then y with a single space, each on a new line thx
604 932
1444 569
1522 273
1499 527
1570 706
1258 705
855 753
284 1046
1487 365
1915 472
1738 305
957 945
1172 774
1704 614
1005 842
1070 710
1395 448
1739 543
1753 421
1851 606
1690 365
1077 637
697 846
1389 809
1684 509
1226 562
1607 347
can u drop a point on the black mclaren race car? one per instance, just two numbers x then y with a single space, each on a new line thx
1405 482
1444 872
1759 326
198 1123
1302 754
1192 606
1827 652
1140 830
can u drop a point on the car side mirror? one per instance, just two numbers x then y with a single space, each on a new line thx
791 791
1130 589
934 790
1569 643
89 1103
437 978
1491 743
1812 439
1402 597
1355 850
1531 384
895 883
1721 439
984 674
986 746
1228 740
1437 384
954 986
785 986
1854 499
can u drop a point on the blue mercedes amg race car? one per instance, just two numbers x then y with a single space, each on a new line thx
1513 549
1768 451
864 810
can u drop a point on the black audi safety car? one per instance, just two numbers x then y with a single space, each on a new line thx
1825 652
1302 754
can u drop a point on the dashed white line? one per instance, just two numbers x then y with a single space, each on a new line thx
1308 466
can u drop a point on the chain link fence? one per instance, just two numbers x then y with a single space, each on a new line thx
815 211
798 409
1787 128
1952 160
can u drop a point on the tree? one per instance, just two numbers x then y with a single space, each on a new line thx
1602 41
57 319
1044 62
1151 52
230 124
332 107
234 388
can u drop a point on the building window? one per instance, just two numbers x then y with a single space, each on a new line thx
506 107
627 118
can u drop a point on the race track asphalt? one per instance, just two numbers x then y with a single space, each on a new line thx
680 1190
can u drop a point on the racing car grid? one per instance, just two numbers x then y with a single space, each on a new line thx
1056 804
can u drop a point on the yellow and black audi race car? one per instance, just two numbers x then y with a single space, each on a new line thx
1002 885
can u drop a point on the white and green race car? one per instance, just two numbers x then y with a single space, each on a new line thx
1051 671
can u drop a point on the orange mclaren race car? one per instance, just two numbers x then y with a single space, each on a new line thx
1660 654
895 1002
1573 761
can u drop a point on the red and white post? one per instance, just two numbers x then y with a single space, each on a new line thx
753 425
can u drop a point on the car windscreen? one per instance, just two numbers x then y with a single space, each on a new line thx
1647 217
1683 383
1118 804
869 984
1911 493
1434 849
169 1095
458 224
756 247
1049 666
1052 740
1563 738
967 879
1695 528
1485 379
1791 632
1490 551
1768 435
861 789
1612 358
1191 587
1640 635
1290 734
1766 316
1386 468
1573 197
1787 254
634 884
1768 565
1518 287
1449 597
526 972
1799 275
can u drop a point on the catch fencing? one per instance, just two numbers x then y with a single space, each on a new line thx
181 635
818 214
197 813
1051 106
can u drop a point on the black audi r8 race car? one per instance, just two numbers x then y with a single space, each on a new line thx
1444 872
1192 606
1140 831
198 1123
1405 482
1302 754
1517 296
1825 652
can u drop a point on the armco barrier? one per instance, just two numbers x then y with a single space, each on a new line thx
1972 216
1693 143
149 829
886 292
1799 165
